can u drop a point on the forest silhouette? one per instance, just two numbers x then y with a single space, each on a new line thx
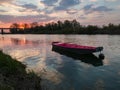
65 27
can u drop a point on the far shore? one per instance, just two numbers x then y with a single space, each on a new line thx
63 27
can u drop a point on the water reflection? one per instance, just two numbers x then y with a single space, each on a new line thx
16 41
86 58
66 71
23 42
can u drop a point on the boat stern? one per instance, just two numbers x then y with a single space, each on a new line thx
98 49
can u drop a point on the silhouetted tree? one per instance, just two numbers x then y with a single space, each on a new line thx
14 28
34 24
26 26
60 25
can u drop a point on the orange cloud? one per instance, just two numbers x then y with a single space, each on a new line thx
6 1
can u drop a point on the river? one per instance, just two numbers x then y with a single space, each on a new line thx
64 72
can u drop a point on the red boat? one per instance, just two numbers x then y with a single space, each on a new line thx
74 48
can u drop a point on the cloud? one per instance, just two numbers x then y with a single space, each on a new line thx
5 1
17 10
88 7
49 2
93 0
111 0
51 6
65 4
71 11
29 18
29 6
3 11
102 9
82 17
91 8
6 18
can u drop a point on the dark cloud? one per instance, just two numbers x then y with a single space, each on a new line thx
29 18
29 6
49 2
3 11
6 18
65 4
90 9
23 10
68 3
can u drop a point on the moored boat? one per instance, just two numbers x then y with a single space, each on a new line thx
78 49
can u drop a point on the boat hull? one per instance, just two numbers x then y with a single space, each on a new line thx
76 50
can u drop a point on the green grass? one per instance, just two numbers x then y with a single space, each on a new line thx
13 75
9 65
6 87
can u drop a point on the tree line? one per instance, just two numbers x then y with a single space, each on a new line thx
65 27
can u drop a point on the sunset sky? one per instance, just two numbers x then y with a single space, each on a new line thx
95 12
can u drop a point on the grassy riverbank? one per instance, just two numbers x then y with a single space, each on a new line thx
13 75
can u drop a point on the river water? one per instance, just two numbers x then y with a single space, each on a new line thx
67 72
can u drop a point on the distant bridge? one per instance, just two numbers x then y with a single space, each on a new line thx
3 29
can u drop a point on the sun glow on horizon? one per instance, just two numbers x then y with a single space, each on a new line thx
21 27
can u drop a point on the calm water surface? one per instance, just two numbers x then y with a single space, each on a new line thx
64 72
